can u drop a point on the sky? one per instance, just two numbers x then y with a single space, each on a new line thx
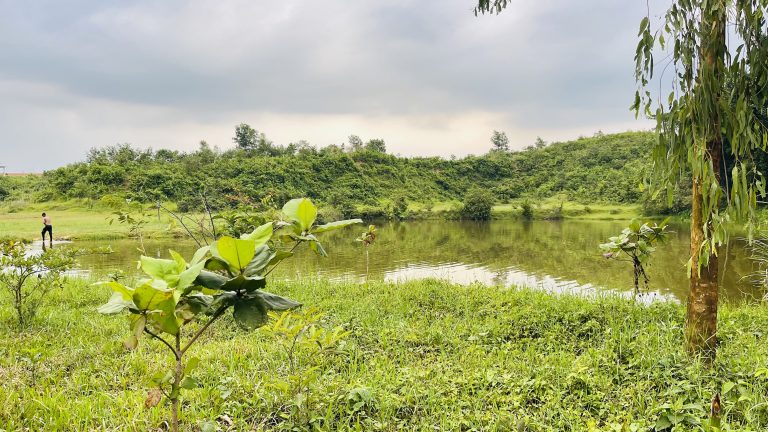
427 76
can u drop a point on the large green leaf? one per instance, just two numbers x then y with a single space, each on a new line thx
200 254
147 297
188 276
301 211
336 225
211 280
250 312
167 270
242 283
116 304
237 252
164 316
276 302
260 235
259 262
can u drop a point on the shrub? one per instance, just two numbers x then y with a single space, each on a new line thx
477 205
527 210
30 277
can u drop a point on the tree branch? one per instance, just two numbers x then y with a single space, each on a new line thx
149 332
219 312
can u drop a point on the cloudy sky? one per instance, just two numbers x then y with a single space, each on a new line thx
425 75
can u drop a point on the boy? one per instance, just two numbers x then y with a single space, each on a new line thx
47 228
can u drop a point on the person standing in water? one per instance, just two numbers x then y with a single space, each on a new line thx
47 227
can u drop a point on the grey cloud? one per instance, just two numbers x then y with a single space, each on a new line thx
554 64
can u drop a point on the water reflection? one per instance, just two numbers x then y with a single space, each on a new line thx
558 256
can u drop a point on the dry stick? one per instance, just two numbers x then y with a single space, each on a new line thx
278 263
210 216
181 221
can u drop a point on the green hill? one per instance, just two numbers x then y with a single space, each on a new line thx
599 169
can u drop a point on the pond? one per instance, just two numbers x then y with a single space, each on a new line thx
557 256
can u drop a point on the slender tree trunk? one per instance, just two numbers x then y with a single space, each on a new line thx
176 383
701 316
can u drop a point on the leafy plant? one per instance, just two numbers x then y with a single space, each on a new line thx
527 210
30 277
636 243
307 342
135 216
229 274
477 204
367 238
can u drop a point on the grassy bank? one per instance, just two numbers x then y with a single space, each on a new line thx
79 220
420 356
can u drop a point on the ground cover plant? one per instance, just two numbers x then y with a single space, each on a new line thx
423 355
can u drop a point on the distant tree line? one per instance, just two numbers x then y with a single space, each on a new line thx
603 168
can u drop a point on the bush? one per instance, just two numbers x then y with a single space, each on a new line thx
477 205
527 212
29 278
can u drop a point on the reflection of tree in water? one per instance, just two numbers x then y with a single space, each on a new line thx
566 250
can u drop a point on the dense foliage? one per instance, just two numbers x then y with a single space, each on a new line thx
603 168
478 204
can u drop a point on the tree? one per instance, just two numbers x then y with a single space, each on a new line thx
539 143
355 143
246 137
376 145
499 141
716 87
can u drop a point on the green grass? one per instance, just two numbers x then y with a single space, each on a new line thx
72 220
421 356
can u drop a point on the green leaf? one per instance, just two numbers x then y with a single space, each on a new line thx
336 225
188 276
301 211
164 269
211 280
243 283
250 312
181 264
317 247
165 316
260 260
147 297
200 254
260 235
276 302
115 305
189 383
191 365
237 252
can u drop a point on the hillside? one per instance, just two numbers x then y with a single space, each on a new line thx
603 168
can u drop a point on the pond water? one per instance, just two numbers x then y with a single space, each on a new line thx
558 256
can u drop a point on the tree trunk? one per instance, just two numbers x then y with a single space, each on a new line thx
701 316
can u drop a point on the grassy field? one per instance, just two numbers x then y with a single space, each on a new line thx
421 356
74 221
